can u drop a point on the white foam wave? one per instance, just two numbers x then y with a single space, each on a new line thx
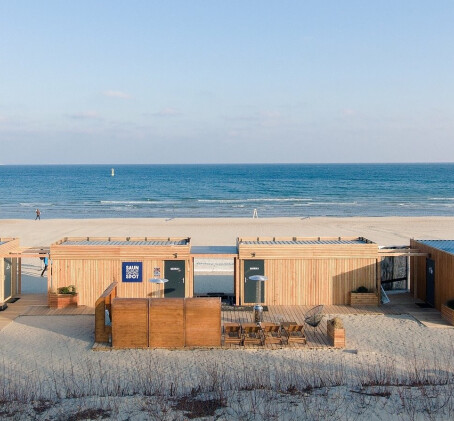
328 204
136 202
286 199
33 205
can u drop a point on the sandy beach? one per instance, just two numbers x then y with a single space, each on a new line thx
394 368
386 356
384 231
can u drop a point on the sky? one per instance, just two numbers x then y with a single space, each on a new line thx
233 81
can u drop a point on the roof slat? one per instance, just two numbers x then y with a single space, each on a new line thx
305 242
124 243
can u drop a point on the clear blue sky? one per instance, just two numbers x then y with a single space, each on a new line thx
226 81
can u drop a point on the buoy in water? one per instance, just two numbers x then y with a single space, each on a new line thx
112 172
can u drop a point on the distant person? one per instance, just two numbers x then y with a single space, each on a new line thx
46 261
42 262
38 214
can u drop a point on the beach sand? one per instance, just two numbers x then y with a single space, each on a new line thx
384 231
52 356
48 370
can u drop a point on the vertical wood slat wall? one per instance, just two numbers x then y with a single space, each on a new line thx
444 273
166 322
103 303
92 268
10 245
312 274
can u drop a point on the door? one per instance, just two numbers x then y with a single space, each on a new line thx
7 264
174 271
430 282
254 291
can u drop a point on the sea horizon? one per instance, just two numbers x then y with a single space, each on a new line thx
226 190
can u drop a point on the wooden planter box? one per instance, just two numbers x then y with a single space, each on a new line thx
363 299
447 314
62 300
335 335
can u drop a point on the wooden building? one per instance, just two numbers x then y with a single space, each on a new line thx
432 276
299 271
305 271
9 270
92 264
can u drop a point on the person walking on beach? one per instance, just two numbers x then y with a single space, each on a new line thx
46 261
38 214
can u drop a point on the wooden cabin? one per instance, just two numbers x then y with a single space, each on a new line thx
432 276
92 264
9 270
305 271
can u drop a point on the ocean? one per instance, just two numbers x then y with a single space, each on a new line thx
274 190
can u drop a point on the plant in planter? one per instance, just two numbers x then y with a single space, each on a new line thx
63 297
71 289
336 332
447 311
362 296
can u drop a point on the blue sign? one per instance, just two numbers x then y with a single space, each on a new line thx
131 272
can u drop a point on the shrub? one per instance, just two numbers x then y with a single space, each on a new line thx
71 289
362 289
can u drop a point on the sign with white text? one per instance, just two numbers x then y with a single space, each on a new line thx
131 272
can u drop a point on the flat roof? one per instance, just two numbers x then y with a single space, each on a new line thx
302 241
182 242
214 250
4 240
444 245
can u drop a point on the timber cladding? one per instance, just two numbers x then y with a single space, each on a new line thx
103 303
7 246
166 322
92 264
203 322
443 272
130 323
310 271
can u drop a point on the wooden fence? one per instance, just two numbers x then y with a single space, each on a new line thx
103 303
166 322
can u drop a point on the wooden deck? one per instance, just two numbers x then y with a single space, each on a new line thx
36 305
44 310
316 337
16 309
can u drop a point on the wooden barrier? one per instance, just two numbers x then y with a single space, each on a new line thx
447 314
363 299
166 323
103 303
130 322
202 322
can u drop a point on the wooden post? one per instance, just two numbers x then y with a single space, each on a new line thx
19 276
49 273
379 279
237 281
